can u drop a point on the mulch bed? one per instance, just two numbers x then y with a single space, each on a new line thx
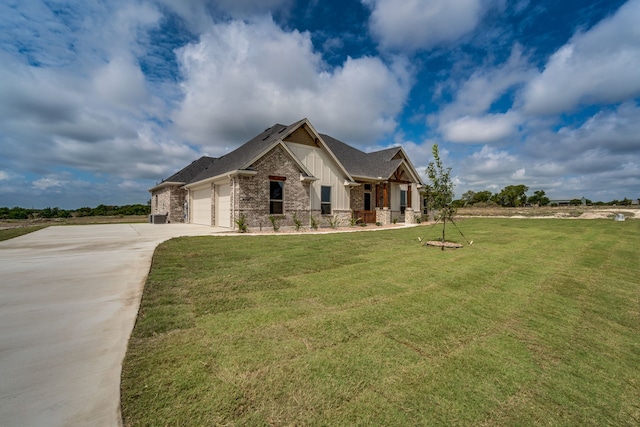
439 244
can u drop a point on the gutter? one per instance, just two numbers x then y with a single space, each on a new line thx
165 184
228 175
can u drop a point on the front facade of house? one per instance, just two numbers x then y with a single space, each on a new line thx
291 172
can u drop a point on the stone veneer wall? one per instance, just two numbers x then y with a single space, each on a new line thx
357 198
169 200
253 192
383 216
410 216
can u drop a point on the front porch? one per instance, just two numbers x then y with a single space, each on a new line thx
385 216
385 202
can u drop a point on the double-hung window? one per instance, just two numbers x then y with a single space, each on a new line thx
403 201
325 200
276 196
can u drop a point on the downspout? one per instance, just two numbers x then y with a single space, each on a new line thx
310 199
233 209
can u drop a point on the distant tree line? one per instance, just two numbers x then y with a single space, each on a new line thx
516 195
100 210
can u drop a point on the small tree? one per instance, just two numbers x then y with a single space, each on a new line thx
539 198
440 190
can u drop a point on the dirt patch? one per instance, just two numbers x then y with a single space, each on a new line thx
566 212
322 230
85 220
440 244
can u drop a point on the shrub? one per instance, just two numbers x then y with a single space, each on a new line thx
296 222
242 223
275 222
334 221
313 223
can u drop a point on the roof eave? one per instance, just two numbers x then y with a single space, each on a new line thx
166 184
228 175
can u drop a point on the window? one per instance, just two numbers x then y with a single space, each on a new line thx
403 201
367 201
367 187
325 200
276 197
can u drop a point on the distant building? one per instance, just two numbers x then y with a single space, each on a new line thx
567 202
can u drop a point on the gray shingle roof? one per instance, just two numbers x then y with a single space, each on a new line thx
357 163
188 173
361 164
239 157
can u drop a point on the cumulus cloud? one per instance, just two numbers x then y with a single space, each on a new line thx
48 182
599 65
474 130
199 14
476 114
592 158
241 77
411 25
121 82
613 133
89 109
476 94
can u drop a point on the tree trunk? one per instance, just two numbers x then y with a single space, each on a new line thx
444 224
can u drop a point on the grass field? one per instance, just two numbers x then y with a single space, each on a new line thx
10 233
536 323
15 228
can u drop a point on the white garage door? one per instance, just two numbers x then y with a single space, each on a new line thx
201 206
223 205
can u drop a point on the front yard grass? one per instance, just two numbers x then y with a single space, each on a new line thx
10 233
536 323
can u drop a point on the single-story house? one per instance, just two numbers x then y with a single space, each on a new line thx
289 170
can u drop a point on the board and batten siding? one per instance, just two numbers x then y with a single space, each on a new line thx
323 167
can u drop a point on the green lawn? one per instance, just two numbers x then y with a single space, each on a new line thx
536 323
10 233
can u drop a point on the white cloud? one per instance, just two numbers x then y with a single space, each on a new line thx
48 182
121 82
4 176
492 162
599 65
613 133
519 174
467 119
199 14
475 95
410 25
241 77
485 129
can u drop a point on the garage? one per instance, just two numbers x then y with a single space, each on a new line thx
223 205
201 205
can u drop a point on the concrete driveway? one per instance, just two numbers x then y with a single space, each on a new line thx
69 296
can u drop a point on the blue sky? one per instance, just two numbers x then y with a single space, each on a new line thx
101 100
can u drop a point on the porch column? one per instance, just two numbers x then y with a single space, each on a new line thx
385 195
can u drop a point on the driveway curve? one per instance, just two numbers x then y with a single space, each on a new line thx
69 297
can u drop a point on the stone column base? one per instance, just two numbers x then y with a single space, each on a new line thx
383 216
409 216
